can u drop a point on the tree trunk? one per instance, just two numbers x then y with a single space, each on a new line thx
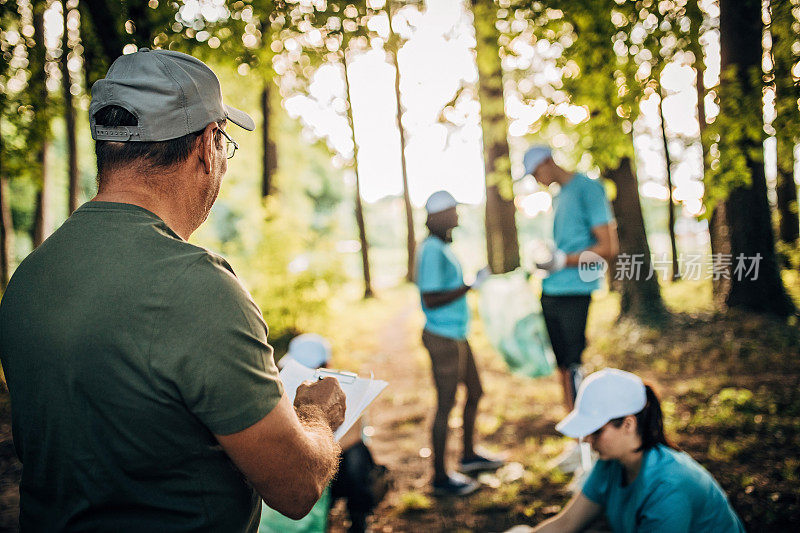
719 234
144 28
696 16
270 159
69 116
786 189
41 129
106 26
101 37
502 245
6 233
359 209
787 119
411 240
676 274
746 217
639 289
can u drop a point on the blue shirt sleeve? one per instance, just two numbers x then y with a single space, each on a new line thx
596 485
598 210
431 268
667 510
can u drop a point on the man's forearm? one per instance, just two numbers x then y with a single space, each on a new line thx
438 299
323 451
605 252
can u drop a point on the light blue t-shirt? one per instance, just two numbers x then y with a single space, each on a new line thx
438 270
671 494
579 207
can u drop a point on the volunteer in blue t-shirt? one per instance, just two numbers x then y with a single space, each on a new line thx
585 234
641 482
443 295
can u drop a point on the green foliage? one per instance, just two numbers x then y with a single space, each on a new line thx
289 300
414 501
16 104
20 130
610 56
784 30
728 406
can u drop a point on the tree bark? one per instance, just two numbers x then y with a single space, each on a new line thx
676 274
41 130
787 119
106 26
786 190
696 16
270 159
411 240
746 217
6 233
639 290
359 208
502 245
69 116
101 37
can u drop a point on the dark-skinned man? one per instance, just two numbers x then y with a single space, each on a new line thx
443 297
144 394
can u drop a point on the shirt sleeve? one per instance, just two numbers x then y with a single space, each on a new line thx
666 510
219 361
595 487
431 269
598 209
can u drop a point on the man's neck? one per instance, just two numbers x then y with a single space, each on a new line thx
446 236
171 210
562 177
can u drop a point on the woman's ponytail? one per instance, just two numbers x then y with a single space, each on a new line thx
650 422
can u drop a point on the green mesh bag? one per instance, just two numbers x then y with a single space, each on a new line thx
316 521
513 321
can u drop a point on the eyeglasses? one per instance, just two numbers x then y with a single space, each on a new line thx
231 145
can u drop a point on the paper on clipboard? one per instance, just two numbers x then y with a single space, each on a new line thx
359 392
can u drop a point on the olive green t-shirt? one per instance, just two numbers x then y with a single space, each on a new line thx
126 349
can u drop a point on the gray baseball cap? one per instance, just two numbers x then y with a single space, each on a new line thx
170 93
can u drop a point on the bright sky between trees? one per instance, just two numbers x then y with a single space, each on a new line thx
438 58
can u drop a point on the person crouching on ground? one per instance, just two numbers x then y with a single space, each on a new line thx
443 293
360 481
641 481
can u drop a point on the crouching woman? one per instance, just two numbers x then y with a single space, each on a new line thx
641 482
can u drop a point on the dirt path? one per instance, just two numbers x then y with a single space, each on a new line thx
516 418
10 469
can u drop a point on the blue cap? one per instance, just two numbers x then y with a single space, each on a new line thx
440 201
535 156
308 349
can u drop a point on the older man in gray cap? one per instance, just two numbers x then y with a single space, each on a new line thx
144 394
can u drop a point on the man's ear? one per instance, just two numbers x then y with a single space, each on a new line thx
207 147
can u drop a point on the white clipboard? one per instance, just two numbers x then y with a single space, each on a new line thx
359 392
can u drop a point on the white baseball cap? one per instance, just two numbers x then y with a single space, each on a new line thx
440 201
535 156
309 349
605 395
